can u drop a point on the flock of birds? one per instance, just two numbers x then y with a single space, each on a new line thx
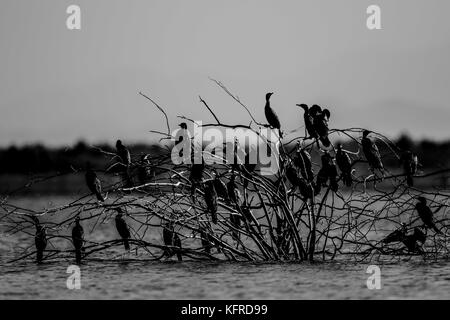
299 172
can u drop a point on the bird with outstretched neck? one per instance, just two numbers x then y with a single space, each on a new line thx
309 122
345 165
40 239
410 163
426 214
211 199
122 228
172 239
271 116
371 152
78 239
93 182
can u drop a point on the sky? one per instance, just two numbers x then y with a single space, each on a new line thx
58 85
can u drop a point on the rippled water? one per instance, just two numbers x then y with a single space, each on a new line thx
193 280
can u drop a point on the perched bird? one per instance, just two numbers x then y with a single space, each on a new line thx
144 171
233 192
220 187
328 172
93 183
426 214
122 228
345 165
397 235
211 199
410 163
305 189
309 122
181 136
302 160
320 122
236 222
40 239
196 176
411 241
171 238
123 153
271 116
371 152
78 239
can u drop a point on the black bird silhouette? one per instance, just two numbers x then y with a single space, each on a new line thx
410 163
40 239
78 239
196 176
328 172
171 238
345 165
320 122
271 116
233 192
122 228
426 214
236 221
93 183
221 188
371 152
411 241
211 199
303 162
309 121
397 235
123 153
305 189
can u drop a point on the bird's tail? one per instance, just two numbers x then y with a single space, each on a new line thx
347 179
409 180
39 256
214 217
179 256
126 244
78 256
334 184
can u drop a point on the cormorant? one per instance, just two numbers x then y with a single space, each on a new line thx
309 121
305 188
345 165
320 122
40 239
93 183
302 160
426 214
271 116
371 152
410 163
396 236
78 239
220 187
171 238
122 228
233 191
183 127
411 241
144 170
123 153
328 172
211 199
196 176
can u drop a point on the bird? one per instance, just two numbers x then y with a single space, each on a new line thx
309 122
207 241
171 238
411 241
144 170
93 182
305 188
196 175
320 123
345 165
40 239
78 239
397 235
371 152
302 160
220 187
122 228
236 222
271 115
211 199
183 127
233 192
426 214
328 172
410 163
123 153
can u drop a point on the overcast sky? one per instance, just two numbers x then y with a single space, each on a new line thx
57 85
